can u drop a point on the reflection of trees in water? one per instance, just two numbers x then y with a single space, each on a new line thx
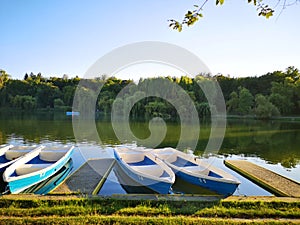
276 142
273 141
35 128
2 138
263 134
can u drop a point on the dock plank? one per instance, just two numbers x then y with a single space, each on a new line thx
87 179
267 179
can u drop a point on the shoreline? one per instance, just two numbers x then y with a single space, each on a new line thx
278 118
101 115
79 209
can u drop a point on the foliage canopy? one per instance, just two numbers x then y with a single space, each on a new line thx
269 95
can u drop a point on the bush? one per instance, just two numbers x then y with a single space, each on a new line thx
264 108
58 103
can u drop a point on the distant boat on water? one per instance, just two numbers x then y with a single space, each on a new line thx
72 113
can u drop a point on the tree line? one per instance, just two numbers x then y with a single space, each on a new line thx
273 94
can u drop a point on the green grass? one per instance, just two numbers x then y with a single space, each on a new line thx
135 220
80 210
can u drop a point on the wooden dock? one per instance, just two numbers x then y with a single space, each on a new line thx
267 179
87 179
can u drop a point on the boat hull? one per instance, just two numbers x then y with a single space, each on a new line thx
156 186
130 185
52 182
218 186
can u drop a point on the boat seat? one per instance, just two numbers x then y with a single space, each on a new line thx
14 154
197 169
153 170
167 156
52 155
132 157
181 162
29 168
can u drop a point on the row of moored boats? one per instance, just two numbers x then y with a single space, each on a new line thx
35 169
157 170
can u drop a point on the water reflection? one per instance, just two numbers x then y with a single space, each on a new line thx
273 141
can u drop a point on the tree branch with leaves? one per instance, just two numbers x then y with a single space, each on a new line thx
264 10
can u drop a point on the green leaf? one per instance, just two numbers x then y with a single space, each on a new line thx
221 2
269 14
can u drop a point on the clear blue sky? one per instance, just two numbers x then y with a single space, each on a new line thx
57 37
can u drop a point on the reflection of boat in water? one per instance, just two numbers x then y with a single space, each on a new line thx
195 171
36 166
183 187
52 182
145 169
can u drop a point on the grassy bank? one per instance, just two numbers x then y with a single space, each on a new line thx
16 209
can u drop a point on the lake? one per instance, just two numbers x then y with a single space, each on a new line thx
272 144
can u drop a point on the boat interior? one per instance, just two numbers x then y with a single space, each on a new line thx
30 168
52 155
154 170
45 158
15 153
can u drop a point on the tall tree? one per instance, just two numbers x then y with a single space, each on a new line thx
297 92
245 101
282 96
264 109
4 77
233 103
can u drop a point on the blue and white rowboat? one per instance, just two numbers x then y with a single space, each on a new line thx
195 171
35 167
145 169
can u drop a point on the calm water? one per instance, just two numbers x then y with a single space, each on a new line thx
273 144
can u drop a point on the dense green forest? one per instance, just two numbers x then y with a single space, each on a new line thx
273 94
